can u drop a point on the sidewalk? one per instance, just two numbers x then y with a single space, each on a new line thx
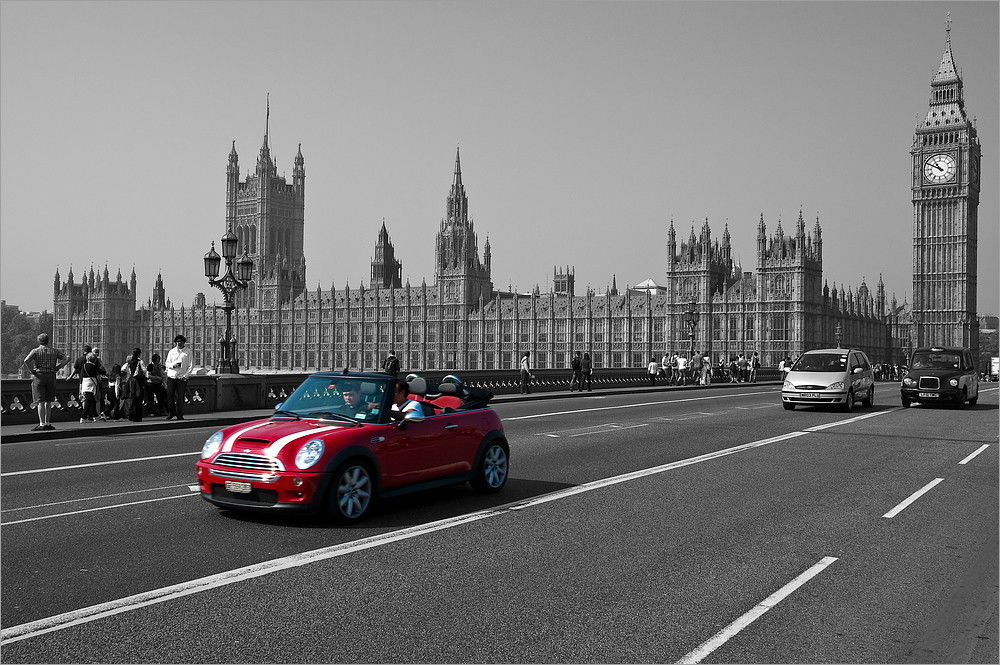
218 419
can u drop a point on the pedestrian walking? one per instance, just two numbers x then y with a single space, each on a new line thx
132 386
652 369
156 391
90 373
586 369
178 368
43 362
754 366
576 366
391 364
696 368
526 374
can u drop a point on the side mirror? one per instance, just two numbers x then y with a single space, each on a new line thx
413 417
277 407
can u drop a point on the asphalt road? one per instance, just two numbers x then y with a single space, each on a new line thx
696 526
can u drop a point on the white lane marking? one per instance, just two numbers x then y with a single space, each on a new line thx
913 497
978 450
610 428
111 608
93 498
84 466
758 611
91 510
684 416
756 406
630 406
837 423
118 438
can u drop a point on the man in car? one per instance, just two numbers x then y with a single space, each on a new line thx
353 402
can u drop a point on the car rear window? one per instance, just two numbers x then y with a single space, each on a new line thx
936 361
821 362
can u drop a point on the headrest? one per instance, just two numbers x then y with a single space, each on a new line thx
450 389
367 388
418 386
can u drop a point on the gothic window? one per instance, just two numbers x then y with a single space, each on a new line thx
748 325
523 331
451 291
618 331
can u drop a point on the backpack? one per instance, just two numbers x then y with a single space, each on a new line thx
575 364
391 365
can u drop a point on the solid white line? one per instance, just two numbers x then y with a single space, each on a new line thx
95 612
93 498
855 419
979 450
84 466
630 406
91 510
913 497
758 610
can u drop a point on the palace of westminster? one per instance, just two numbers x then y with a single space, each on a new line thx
461 321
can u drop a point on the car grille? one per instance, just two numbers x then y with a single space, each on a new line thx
810 387
250 462
256 497
929 383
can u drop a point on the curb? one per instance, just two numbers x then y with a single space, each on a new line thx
94 429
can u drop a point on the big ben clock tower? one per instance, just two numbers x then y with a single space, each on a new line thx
945 193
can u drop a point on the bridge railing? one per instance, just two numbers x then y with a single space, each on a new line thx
207 394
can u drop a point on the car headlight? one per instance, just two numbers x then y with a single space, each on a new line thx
212 445
309 454
839 385
954 383
907 381
787 384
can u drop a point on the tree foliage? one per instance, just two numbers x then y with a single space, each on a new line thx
18 336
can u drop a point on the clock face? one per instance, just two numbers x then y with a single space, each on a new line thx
939 168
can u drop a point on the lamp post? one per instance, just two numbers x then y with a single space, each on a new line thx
839 335
229 284
691 319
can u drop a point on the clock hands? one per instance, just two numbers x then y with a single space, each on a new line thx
934 164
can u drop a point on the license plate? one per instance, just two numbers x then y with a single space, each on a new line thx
927 394
238 487
809 395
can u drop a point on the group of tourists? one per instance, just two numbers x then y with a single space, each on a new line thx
125 391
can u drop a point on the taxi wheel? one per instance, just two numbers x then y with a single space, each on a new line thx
350 496
491 475
869 399
974 400
906 403
849 402
960 403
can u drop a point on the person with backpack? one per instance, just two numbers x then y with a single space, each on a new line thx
577 368
754 366
391 364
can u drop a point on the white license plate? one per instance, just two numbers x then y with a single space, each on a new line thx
240 488
809 395
927 395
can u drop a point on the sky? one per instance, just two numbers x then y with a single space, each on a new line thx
585 128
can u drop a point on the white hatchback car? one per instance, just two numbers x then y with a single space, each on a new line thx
829 377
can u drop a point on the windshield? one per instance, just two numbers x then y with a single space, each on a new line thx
821 362
357 398
935 361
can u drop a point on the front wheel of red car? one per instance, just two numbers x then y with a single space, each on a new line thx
351 493
491 474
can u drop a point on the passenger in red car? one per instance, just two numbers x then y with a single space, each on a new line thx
402 404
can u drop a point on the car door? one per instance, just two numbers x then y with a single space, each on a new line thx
971 377
409 452
857 378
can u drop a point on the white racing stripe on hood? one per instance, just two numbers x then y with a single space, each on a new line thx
275 448
228 447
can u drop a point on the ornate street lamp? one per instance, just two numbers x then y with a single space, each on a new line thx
691 319
839 335
229 284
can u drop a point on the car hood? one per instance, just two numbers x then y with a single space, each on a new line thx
271 437
815 378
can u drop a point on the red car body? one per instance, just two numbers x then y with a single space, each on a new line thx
258 465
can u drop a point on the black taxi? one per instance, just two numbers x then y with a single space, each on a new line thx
941 374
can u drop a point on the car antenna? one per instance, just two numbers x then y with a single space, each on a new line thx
346 370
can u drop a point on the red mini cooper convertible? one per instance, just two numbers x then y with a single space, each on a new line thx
338 444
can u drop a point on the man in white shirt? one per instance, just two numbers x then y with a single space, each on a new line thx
178 366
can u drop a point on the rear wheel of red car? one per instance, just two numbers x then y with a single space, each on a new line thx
491 475
351 493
